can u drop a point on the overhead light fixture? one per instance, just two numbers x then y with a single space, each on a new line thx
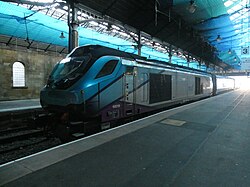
191 7
218 38
61 36
235 59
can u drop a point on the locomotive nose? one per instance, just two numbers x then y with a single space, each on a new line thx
61 98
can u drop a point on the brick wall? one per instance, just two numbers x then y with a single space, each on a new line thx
38 66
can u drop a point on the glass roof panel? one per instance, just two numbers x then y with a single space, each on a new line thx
228 3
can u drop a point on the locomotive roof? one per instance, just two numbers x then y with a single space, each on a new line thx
98 51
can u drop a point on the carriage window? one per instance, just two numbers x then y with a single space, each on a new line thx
18 73
107 69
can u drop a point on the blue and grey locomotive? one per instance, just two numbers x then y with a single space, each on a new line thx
96 82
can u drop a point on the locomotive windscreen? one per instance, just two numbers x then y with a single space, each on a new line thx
160 88
68 70
68 66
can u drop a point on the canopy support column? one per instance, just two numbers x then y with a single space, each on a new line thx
139 43
73 25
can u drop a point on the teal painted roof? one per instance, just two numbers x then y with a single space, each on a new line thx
31 25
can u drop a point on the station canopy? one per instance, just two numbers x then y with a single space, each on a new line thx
208 29
35 26
217 31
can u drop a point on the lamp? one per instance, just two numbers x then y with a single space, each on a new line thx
218 38
191 7
61 36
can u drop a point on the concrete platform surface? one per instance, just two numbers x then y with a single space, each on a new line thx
16 105
201 144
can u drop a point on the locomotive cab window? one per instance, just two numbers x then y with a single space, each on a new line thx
107 69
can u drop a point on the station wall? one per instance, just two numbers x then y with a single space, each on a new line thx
37 67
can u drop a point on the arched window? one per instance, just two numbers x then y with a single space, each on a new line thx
18 71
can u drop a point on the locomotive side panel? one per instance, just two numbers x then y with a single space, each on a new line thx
129 90
113 93
181 85
154 88
160 87
143 86
142 90
190 86
110 107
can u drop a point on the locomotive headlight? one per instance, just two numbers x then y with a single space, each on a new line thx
82 96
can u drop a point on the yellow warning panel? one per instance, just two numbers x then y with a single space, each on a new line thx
173 122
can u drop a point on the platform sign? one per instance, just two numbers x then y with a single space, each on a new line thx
245 50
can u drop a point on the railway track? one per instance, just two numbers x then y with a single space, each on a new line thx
24 138
19 134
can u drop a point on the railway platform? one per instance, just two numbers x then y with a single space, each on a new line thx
205 143
17 105
12 112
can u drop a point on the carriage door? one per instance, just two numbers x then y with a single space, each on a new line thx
129 95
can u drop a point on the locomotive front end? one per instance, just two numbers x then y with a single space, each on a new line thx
62 100
64 92
63 95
